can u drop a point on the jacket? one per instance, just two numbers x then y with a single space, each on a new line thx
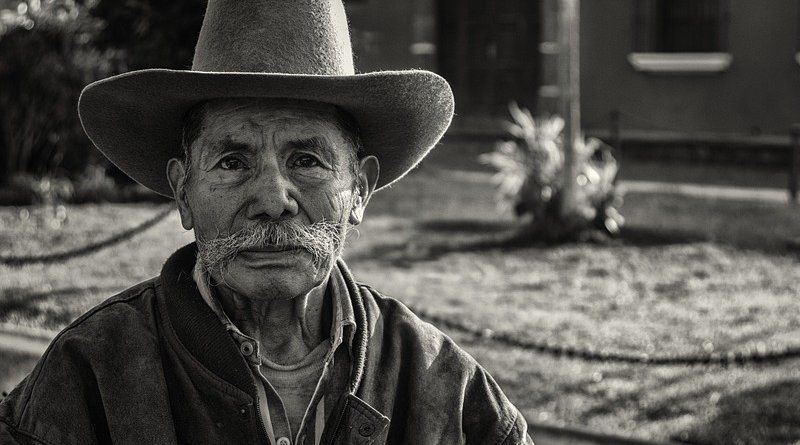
154 365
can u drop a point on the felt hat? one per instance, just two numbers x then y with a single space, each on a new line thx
293 49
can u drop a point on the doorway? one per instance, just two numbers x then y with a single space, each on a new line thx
488 51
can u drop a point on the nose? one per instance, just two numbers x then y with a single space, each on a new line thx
271 196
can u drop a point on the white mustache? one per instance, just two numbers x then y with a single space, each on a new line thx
321 239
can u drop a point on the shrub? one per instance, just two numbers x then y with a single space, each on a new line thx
150 33
95 185
45 60
26 189
92 186
530 178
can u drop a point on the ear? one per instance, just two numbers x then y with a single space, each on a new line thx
176 173
368 173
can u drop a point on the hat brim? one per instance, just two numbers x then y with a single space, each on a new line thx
135 118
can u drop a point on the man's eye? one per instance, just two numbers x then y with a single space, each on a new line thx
306 161
231 163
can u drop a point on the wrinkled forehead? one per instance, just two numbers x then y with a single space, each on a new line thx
251 122
240 113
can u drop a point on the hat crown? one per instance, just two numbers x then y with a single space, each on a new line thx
275 36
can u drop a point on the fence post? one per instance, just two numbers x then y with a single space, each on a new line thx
615 124
794 171
614 129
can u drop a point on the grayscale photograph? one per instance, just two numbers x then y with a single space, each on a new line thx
400 222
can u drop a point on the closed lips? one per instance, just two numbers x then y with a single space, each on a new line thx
257 249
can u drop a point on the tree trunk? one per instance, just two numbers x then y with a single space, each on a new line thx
569 83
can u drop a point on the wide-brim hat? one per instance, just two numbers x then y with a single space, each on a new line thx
289 49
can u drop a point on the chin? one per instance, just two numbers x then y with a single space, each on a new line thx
275 280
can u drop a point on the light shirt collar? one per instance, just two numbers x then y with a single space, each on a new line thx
343 314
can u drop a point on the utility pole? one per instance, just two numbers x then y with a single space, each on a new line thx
569 86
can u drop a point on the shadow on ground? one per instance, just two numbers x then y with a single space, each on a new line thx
429 240
21 300
465 226
766 415
651 237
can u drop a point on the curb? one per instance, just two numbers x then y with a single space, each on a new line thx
549 434
707 190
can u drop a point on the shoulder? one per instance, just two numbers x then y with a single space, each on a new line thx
392 321
90 349
118 324
437 373
115 322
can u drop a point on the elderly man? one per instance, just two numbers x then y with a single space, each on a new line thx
258 333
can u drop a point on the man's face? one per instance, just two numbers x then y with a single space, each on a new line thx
255 162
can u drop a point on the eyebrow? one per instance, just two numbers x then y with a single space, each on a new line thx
229 144
315 143
225 145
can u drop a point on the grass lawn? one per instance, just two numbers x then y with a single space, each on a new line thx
689 275
13 368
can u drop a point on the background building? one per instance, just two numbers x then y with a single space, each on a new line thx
717 71
488 50
712 71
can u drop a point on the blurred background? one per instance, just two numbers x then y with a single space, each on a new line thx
610 225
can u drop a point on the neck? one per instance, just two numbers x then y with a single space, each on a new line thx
287 330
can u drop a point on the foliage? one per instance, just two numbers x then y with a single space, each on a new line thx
95 185
50 50
47 191
150 33
44 64
530 177
92 186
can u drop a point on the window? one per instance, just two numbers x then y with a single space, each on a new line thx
681 36
681 26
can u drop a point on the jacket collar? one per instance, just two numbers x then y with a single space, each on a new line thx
200 331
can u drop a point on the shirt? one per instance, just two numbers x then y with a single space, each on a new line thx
289 395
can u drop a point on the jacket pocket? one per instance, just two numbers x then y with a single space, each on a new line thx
356 423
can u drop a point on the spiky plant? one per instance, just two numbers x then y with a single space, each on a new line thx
530 178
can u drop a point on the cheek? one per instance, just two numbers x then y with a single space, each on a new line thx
214 210
330 204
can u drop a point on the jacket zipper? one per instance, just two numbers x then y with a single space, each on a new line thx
339 421
260 418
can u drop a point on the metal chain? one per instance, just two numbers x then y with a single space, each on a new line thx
738 358
18 261
732 358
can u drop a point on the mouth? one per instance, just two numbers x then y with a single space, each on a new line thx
258 256
269 249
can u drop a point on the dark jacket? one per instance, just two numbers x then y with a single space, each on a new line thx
153 365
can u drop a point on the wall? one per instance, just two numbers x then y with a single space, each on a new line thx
392 34
488 49
759 92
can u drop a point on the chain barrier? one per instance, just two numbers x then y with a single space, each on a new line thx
19 261
732 358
